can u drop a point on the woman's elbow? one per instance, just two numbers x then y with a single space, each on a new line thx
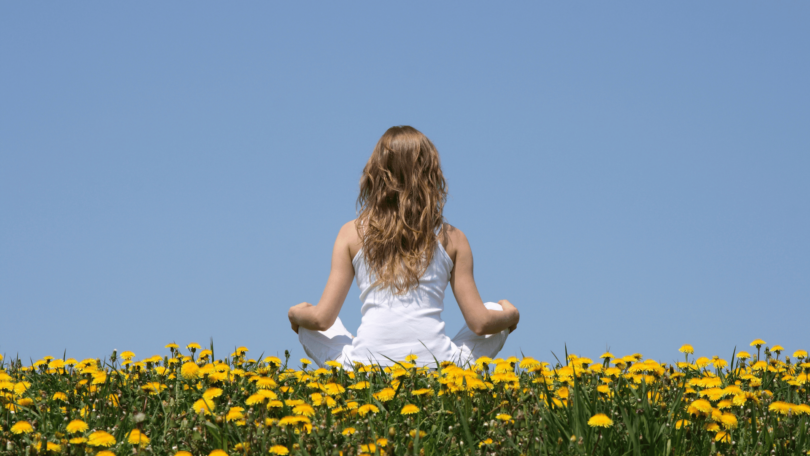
478 329
322 327
322 324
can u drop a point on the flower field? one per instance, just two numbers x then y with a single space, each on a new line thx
188 402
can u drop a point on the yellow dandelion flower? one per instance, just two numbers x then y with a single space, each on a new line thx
100 438
682 423
367 408
278 449
235 414
382 442
413 434
205 406
334 364
305 362
265 383
780 407
78 440
76 426
368 448
758 343
740 399
49 446
182 453
211 393
105 453
686 348
359 386
700 406
729 421
724 404
800 354
99 378
194 346
385 395
702 362
25 401
127 355
22 427
218 453
409 409
723 436
348 431
604 389
743 355
333 389
503 417
287 420
189 370
600 420
255 399
711 427
153 388
485 442
304 409
136 437
352 405
562 393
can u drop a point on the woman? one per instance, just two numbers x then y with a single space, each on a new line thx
403 255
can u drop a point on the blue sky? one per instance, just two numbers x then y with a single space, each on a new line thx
632 175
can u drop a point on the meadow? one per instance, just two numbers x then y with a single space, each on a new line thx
189 402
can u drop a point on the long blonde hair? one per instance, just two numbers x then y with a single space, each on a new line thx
402 197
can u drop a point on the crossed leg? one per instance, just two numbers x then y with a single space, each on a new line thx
322 346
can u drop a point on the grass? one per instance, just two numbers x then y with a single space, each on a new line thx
237 405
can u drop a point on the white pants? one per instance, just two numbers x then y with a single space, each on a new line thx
336 343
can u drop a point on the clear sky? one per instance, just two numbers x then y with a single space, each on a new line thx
631 175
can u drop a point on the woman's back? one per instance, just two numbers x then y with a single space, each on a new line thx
395 326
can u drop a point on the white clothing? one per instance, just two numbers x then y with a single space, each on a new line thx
396 326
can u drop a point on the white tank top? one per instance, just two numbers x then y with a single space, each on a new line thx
393 326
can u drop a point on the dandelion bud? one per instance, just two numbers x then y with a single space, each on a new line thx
392 432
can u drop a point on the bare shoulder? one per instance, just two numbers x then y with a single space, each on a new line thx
349 238
454 240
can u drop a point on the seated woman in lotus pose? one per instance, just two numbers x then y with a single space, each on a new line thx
403 255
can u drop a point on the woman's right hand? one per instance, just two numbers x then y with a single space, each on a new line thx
510 308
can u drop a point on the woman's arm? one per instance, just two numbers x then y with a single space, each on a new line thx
323 316
479 319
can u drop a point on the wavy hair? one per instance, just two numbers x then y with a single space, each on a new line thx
402 197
